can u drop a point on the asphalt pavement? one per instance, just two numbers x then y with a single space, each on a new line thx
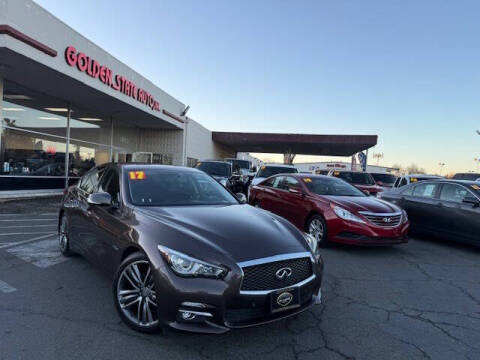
414 301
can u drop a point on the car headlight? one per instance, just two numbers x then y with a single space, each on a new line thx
347 215
311 241
187 266
405 216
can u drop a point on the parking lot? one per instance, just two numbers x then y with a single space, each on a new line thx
419 300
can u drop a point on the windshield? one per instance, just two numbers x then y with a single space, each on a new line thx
357 178
331 186
467 176
244 164
160 187
215 168
385 178
267 171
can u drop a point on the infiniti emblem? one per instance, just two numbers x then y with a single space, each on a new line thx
283 273
387 220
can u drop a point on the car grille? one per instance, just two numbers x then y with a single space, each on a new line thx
384 220
262 276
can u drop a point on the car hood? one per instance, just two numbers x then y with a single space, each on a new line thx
357 204
240 232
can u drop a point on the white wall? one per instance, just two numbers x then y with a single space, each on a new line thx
199 144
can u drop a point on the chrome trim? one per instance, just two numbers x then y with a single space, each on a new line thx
275 258
199 313
265 292
380 214
194 304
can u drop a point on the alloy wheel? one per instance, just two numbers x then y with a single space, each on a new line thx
63 235
316 229
136 294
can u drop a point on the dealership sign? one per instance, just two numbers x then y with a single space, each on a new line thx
119 83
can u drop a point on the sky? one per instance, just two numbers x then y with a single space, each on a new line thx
407 71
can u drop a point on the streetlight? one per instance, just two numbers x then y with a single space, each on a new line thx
441 166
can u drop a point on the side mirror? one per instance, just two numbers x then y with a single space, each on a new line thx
254 169
469 199
380 183
366 192
100 198
241 198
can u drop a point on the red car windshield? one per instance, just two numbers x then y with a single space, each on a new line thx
332 187
357 178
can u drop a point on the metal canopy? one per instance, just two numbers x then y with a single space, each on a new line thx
305 144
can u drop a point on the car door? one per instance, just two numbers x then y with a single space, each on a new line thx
86 232
291 201
422 207
270 194
457 219
106 220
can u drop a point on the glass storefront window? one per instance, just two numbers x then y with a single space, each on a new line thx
32 154
84 156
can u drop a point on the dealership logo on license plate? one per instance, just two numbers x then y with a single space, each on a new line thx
284 299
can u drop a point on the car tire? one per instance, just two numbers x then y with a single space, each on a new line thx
317 227
64 236
135 296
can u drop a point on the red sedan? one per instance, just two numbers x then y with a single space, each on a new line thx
331 209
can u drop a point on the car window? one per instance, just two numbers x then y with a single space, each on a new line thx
291 183
396 182
408 190
331 187
267 171
385 178
277 182
403 182
110 183
268 182
453 192
165 187
425 190
222 169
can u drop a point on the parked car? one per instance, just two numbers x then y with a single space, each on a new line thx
245 168
444 208
362 180
185 252
223 172
268 170
466 176
384 180
413 178
331 210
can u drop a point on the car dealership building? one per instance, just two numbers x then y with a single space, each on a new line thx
67 105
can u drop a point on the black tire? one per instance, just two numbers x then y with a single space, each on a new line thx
129 313
317 221
64 236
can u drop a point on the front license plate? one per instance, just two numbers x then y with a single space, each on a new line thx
286 299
